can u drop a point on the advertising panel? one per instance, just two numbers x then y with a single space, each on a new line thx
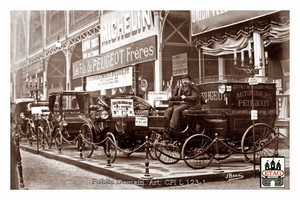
90 46
114 79
203 21
138 52
122 27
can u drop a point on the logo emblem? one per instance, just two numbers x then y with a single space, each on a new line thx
272 172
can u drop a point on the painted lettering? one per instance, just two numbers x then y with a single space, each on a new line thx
126 25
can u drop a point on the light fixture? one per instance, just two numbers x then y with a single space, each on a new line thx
250 69
58 43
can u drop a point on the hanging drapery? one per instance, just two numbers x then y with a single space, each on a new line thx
273 28
227 46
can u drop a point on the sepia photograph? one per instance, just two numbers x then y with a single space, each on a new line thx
140 99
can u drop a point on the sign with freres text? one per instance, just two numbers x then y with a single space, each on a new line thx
138 52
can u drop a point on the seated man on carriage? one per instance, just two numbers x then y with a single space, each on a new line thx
184 97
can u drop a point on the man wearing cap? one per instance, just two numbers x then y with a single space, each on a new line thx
188 96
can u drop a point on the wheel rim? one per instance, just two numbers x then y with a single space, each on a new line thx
264 140
111 141
153 138
86 143
58 140
167 152
197 151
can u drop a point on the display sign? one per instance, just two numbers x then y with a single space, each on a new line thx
203 21
158 96
138 52
90 46
122 107
141 121
123 27
114 79
39 110
253 81
179 64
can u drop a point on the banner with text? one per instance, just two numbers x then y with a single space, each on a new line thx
122 27
114 79
138 52
203 21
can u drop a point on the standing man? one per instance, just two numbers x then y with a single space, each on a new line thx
186 96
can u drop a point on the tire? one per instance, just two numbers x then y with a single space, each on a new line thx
111 141
265 142
197 151
167 152
153 137
58 140
49 135
87 141
41 139
29 133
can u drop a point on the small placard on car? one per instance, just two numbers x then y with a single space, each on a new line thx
122 107
141 121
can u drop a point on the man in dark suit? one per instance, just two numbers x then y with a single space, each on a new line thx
186 96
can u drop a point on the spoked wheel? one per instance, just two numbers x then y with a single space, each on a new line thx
41 138
111 146
153 137
197 151
265 142
58 140
49 134
87 141
47 138
167 152
29 133
21 133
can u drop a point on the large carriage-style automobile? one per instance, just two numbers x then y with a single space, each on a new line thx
125 116
226 125
72 113
26 114
220 128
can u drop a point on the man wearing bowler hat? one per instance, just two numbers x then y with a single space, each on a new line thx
186 96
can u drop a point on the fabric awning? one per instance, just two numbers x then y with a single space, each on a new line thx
274 29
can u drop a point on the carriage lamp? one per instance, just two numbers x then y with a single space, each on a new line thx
103 114
222 88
